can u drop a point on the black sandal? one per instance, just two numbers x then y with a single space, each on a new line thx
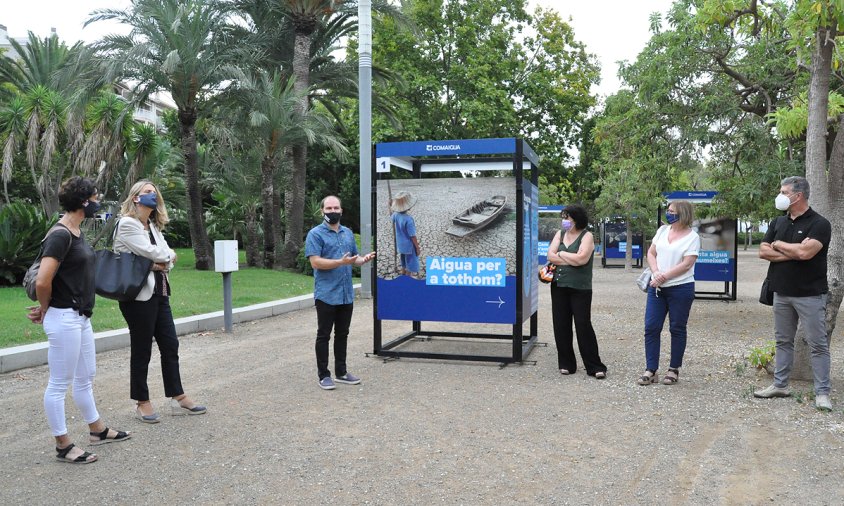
671 377
85 458
102 437
647 379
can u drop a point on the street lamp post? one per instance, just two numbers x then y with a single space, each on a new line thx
365 113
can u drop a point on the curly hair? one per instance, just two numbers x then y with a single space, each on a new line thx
578 215
75 191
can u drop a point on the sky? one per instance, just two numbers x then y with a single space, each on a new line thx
613 30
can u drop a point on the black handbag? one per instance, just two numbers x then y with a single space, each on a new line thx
766 296
121 276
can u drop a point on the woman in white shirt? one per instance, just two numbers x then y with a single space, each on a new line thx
671 257
143 217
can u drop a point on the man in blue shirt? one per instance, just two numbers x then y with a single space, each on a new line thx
332 251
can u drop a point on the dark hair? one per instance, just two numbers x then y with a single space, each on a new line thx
578 215
74 191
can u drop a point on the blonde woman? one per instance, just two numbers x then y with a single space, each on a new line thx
671 257
143 217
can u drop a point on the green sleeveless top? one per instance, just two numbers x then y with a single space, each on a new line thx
569 276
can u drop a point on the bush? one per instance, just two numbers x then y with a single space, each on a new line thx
22 227
756 236
303 265
177 232
762 357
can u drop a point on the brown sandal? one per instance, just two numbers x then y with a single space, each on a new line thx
671 377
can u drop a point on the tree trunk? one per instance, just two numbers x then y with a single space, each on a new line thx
820 196
296 211
295 208
196 221
252 241
269 217
628 251
834 212
278 231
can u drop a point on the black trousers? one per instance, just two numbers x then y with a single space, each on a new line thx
339 317
147 320
568 304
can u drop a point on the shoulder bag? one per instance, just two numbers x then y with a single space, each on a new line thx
121 276
766 295
32 273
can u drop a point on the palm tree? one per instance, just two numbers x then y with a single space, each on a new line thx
271 106
13 121
37 115
179 47
299 38
305 16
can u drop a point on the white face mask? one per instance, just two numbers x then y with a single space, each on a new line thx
782 202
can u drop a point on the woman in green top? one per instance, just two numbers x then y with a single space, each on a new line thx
571 293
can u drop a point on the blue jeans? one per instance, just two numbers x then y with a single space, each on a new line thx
676 302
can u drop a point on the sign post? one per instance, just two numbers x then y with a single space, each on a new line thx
468 246
226 262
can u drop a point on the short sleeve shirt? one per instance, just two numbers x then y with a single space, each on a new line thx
73 284
405 229
800 278
332 286
669 254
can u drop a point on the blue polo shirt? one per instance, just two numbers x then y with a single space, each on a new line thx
332 286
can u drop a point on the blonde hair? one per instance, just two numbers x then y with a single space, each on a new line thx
685 212
130 207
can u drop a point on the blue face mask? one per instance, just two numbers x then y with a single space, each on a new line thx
149 200
671 217
91 208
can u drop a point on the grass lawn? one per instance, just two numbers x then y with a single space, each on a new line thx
194 292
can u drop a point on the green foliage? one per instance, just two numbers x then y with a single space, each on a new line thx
761 357
22 227
791 121
303 265
473 70
194 292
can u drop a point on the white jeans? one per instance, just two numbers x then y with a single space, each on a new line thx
72 358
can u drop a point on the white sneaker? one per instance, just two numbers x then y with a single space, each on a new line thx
772 391
822 403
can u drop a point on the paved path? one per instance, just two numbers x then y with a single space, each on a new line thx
427 432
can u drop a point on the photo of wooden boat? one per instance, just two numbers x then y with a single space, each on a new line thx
477 217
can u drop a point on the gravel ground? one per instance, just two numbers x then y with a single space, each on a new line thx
429 432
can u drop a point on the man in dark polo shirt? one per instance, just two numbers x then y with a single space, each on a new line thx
332 251
796 245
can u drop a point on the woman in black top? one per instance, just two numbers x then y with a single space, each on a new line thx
66 291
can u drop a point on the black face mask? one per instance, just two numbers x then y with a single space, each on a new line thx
332 218
91 209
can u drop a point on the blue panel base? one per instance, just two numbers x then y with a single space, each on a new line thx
405 298
716 272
